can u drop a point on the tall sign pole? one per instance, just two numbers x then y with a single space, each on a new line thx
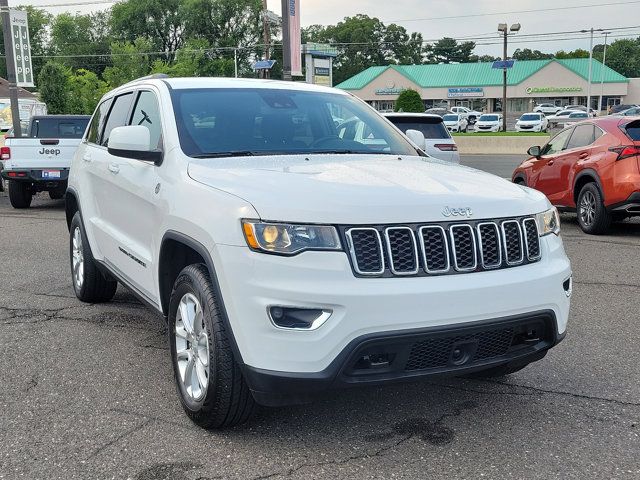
286 42
11 65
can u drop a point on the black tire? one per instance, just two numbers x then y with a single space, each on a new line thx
20 194
94 287
227 400
593 217
520 181
56 194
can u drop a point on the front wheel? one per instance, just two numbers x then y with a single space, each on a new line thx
20 194
593 217
89 283
210 384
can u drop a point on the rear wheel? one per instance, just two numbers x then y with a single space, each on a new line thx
56 194
20 194
89 283
593 217
208 378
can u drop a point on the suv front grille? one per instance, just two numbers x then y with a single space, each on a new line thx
447 248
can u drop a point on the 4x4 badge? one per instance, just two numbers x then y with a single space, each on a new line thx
457 212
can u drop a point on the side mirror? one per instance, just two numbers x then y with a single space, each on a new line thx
133 141
416 137
535 151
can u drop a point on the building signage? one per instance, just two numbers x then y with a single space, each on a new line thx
21 47
531 90
295 38
322 71
390 89
465 92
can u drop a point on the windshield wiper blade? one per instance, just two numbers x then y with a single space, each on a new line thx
233 153
335 152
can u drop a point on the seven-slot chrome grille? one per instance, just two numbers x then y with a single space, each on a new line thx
444 248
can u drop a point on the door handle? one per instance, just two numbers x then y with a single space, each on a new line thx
583 155
86 157
114 168
550 162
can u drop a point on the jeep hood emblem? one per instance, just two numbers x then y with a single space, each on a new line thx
457 212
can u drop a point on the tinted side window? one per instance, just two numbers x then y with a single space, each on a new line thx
557 143
118 116
582 136
97 122
430 128
147 114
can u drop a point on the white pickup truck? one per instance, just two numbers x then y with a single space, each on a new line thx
40 160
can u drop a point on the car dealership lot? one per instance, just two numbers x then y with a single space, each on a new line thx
86 391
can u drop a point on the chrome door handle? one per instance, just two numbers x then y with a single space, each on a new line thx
114 168
87 158
583 156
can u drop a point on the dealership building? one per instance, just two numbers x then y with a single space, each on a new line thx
479 86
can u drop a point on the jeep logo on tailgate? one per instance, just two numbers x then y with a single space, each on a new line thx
49 151
457 212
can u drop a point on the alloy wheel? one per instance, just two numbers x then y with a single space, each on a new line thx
192 348
588 207
77 258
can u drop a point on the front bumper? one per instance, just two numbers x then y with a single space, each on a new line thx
526 128
251 282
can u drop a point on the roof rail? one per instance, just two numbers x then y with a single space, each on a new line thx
149 77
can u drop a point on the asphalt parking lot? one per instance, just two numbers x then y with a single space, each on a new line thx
86 390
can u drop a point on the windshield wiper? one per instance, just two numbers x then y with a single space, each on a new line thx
233 153
335 152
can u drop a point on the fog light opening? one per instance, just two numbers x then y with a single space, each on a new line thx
567 285
293 318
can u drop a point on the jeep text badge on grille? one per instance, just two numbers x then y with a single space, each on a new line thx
457 212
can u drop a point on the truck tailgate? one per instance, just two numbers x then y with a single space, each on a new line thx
35 153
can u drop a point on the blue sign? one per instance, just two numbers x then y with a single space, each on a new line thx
465 92
264 64
322 71
503 64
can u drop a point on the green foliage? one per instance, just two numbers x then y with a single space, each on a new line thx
53 87
623 56
409 101
577 53
129 61
528 54
87 90
448 50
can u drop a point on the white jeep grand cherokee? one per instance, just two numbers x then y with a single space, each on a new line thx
288 260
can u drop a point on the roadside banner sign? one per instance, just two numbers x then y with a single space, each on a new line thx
503 64
21 47
295 38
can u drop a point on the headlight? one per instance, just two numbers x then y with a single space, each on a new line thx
289 239
548 222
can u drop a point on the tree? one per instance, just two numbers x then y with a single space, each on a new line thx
528 54
82 40
448 50
53 87
483 58
193 60
409 101
129 61
623 56
159 21
87 90
577 53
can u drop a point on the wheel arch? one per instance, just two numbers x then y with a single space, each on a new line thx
71 205
177 251
520 176
585 176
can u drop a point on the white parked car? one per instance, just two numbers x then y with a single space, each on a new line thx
287 260
532 122
574 118
560 117
438 143
489 122
455 122
547 108
471 115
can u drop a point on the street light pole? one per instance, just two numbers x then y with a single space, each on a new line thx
590 70
502 28
266 30
11 68
604 62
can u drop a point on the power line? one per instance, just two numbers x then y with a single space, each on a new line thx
70 4
490 14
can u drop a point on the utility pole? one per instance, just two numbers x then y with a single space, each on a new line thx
286 43
266 29
502 28
11 67
590 69
604 62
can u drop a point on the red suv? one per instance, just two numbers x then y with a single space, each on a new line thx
592 168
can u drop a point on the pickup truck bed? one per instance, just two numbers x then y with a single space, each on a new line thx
40 162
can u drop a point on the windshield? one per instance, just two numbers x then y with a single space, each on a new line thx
257 121
528 117
578 115
431 128
450 118
488 118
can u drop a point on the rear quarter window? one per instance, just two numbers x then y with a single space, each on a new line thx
430 127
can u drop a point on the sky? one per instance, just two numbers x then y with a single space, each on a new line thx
471 18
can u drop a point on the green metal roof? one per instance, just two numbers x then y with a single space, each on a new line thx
479 74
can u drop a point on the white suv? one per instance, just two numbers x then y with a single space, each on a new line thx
287 260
